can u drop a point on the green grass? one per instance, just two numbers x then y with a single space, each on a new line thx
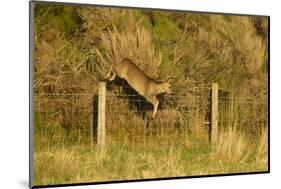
151 157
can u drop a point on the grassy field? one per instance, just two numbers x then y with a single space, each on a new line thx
59 160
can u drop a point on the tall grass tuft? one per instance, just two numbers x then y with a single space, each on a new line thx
232 146
135 44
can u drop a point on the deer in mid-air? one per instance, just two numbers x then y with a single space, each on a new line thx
139 81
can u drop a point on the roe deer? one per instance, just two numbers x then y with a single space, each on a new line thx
139 81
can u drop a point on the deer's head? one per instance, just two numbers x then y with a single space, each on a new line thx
166 87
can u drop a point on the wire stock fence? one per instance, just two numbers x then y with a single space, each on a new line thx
121 112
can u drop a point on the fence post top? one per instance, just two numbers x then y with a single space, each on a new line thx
102 83
214 84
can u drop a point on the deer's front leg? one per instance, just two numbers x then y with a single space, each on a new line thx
155 102
155 109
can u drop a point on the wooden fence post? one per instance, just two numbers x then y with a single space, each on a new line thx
101 113
214 122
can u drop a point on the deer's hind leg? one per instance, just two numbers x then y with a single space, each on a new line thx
109 72
108 77
112 77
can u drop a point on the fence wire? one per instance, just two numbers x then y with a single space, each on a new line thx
128 114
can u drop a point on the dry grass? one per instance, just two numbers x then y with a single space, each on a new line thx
231 146
154 158
136 45
61 67
250 46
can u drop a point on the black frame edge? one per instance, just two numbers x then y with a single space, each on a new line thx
268 89
31 109
150 179
145 8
